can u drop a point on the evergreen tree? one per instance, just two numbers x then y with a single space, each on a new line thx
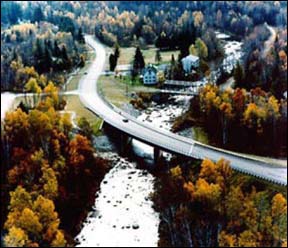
66 25
47 59
80 36
56 51
116 50
64 55
158 57
38 15
39 57
112 62
113 59
11 12
173 62
139 62
239 76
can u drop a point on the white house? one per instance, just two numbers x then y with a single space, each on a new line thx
190 62
150 75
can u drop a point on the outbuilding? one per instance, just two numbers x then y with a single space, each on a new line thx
189 62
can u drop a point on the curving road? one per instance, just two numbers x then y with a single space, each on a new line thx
269 43
157 137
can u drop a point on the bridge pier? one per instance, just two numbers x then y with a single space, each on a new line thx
157 154
125 141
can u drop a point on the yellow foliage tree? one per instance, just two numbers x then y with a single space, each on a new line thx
16 237
50 183
227 240
32 86
206 192
176 172
208 170
247 239
273 107
19 199
190 189
59 240
16 126
234 203
29 221
279 218
254 117
249 215
52 91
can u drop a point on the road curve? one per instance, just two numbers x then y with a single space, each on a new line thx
157 137
269 43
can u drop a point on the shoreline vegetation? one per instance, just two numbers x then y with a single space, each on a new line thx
249 122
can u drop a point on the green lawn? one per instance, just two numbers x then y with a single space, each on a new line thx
127 55
115 90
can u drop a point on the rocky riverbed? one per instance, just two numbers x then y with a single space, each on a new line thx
123 213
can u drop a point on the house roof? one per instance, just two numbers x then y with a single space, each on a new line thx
191 57
150 68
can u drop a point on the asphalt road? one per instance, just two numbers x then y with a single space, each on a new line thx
158 137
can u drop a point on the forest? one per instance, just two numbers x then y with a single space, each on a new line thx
209 205
247 121
39 204
54 34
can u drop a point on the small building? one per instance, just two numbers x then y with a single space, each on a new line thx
190 62
150 75
123 70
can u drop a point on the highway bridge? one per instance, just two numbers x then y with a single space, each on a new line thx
161 139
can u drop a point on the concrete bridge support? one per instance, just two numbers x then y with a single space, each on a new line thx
125 142
157 154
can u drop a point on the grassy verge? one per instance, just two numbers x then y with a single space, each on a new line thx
74 104
73 101
74 81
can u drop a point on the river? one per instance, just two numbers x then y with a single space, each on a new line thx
123 213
